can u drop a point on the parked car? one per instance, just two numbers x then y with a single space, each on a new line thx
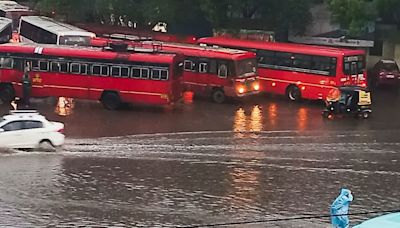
29 130
385 72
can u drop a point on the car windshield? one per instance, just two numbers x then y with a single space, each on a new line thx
390 67
247 66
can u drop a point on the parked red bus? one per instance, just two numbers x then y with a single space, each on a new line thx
301 71
213 72
105 75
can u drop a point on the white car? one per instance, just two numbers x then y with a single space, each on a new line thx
25 129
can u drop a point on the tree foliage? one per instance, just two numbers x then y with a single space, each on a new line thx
258 14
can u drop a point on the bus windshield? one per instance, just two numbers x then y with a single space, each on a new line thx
246 67
354 64
75 40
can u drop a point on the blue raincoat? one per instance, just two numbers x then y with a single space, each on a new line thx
341 207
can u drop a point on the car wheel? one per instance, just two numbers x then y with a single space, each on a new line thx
7 93
111 101
218 96
293 93
46 145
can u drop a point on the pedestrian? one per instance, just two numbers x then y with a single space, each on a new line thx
26 85
340 209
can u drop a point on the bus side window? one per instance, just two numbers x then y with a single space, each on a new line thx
135 72
35 65
116 71
6 63
189 65
164 75
283 59
222 70
104 71
75 68
203 68
96 70
145 73
84 68
266 57
43 65
155 74
125 72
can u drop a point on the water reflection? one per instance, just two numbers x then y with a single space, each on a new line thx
273 114
302 119
252 122
65 106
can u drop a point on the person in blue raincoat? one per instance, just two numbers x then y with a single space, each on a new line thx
340 209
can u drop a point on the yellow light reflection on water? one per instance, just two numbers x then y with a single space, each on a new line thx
65 106
302 119
248 123
273 114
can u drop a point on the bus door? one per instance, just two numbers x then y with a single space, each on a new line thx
37 71
354 69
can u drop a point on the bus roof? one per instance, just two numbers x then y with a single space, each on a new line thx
56 27
278 46
201 51
4 22
85 52
11 6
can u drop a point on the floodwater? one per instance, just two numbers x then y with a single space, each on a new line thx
260 159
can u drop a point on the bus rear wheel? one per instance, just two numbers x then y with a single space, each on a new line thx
110 101
7 93
293 93
218 96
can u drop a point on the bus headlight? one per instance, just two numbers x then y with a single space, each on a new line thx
241 89
256 86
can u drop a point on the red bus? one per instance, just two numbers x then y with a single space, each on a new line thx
301 71
105 75
213 72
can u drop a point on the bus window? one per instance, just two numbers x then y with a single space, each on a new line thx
116 71
75 68
222 70
155 74
203 67
302 61
283 59
6 63
164 74
59 67
43 65
189 65
125 72
145 73
104 71
135 72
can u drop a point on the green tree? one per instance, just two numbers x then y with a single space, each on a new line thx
354 15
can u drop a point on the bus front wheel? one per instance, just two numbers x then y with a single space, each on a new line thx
7 93
293 93
110 101
218 96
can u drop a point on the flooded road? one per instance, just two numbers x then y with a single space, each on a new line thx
260 159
